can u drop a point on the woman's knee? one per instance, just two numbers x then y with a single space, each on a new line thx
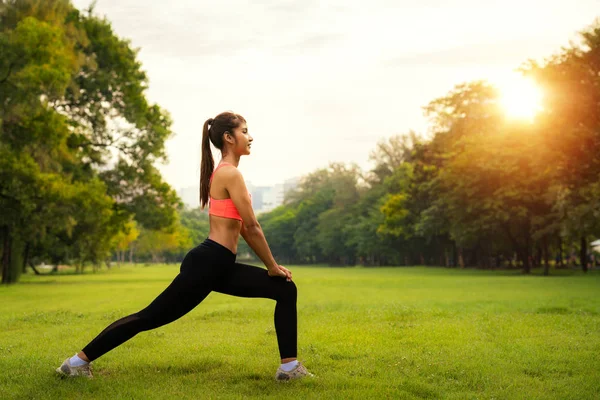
288 292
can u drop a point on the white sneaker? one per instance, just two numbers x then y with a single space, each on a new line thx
66 369
297 373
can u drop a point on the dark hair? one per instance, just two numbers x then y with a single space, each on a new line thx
214 129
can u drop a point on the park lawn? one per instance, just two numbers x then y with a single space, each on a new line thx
408 332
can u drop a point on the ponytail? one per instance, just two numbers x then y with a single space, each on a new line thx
207 165
222 123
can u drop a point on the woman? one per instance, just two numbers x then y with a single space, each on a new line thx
211 266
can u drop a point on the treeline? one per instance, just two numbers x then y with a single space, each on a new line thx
483 190
79 140
167 246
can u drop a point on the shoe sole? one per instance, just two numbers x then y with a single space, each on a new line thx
285 378
65 374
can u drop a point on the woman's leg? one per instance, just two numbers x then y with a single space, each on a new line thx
250 281
199 272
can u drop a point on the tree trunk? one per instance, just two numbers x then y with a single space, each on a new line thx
13 263
538 256
476 257
527 253
6 245
526 263
454 254
560 252
525 259
583 254
479 259
26 258
34 268
546 256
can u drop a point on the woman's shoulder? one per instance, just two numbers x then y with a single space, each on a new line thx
228 172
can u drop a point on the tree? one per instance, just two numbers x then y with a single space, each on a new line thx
124 239
72 96
279 226
572 79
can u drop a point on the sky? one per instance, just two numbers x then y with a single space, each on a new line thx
324 81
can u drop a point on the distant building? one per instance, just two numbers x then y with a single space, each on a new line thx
290 184
258 195
190 196
274 197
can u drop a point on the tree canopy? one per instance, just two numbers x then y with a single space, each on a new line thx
78 139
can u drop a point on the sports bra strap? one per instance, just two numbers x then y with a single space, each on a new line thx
219 166
222 164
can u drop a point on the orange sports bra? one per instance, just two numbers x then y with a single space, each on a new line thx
223 207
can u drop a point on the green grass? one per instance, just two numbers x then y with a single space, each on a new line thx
366 333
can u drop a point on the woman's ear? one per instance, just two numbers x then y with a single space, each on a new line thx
229 137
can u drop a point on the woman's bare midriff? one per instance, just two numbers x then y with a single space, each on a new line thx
225 231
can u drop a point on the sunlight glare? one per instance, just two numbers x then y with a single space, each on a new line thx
520 97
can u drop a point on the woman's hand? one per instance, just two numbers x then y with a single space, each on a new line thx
282 272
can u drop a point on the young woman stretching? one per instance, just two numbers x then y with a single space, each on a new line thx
211 266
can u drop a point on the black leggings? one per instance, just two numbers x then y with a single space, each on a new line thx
207 267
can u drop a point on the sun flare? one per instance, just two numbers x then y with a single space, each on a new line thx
520 97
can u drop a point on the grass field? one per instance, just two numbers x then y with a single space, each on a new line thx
413 332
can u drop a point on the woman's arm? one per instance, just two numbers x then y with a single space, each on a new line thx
257 241
251 229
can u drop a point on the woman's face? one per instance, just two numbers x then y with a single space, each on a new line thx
243 140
